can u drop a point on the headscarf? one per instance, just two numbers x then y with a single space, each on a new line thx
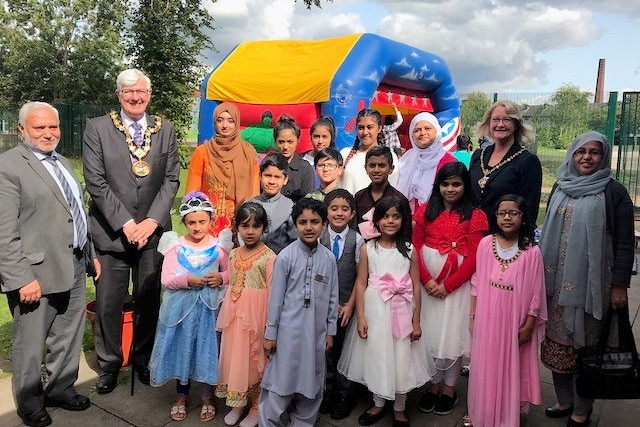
574 243
232 161
418 166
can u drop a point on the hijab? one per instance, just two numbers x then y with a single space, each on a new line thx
232 161
574 241
418 166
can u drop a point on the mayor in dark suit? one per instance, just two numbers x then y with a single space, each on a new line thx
43 242
131 170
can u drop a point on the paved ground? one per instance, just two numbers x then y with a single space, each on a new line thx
149 406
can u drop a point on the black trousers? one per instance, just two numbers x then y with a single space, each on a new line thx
118 268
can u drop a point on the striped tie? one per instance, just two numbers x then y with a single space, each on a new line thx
78 221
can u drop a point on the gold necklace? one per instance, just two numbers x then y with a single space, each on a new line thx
140 168
504 263
486 170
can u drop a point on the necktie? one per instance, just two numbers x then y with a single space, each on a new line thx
137 135
78 221
336 247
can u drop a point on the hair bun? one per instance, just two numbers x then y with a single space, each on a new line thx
285 118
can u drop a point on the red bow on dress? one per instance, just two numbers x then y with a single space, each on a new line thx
453 248
400 292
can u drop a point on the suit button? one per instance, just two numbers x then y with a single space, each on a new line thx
135 207
70 246
69 220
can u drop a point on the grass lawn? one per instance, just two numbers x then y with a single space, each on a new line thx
87 343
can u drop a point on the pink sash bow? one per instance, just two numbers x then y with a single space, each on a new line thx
400 292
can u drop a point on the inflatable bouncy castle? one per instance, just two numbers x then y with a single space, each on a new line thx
336 77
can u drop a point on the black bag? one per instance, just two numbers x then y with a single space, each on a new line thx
606 372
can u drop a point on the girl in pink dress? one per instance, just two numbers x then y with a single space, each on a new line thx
446 234
243 316
508 314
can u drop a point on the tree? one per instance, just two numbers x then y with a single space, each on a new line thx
569 115
60 51
472 110
166 39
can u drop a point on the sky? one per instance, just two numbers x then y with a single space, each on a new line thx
489 45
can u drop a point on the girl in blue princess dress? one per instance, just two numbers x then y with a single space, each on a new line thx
193 274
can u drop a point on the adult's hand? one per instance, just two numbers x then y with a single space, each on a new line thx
619 297
129 229
30 292
98 268
144 230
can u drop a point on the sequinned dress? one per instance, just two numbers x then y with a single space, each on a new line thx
242 321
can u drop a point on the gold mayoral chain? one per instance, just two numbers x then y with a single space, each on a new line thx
140 168
486 170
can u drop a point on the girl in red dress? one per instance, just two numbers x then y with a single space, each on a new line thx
446 233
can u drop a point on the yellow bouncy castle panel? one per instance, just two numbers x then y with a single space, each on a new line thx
280 71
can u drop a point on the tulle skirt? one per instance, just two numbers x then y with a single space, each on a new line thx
386 365
186 343
445 322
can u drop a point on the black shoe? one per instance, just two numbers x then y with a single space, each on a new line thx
342 408
367 419
327 403
144 375
554 412
573 423
39 418
107 382
74 403
398 423
427 402
445 404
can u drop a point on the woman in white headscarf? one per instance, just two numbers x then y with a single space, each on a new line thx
419 165
588 248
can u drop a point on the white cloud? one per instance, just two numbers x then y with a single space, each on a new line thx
487 44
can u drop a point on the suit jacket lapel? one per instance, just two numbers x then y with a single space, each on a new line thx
119 140
44 174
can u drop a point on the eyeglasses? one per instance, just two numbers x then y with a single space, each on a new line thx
130 92
506 120
327 166
512 214
594 152
195 204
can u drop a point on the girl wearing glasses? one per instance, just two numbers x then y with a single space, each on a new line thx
194 271
507 317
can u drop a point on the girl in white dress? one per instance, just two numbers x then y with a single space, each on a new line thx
384 351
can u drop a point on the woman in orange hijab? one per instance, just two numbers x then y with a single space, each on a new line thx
225 168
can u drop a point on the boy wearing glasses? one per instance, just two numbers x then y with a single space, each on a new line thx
328 165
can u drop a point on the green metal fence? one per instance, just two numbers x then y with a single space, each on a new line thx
628 152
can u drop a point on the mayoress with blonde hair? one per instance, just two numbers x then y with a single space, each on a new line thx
505 167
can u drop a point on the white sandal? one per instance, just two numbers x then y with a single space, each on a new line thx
178 411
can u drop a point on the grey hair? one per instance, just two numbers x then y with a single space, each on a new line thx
32 106
130 77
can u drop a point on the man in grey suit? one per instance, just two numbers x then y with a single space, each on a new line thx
43 241
131 170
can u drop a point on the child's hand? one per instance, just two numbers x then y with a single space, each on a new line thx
416 333
439 291
329 344
195 281
345 312
269 347
362 328
430 286
213 279
524 334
